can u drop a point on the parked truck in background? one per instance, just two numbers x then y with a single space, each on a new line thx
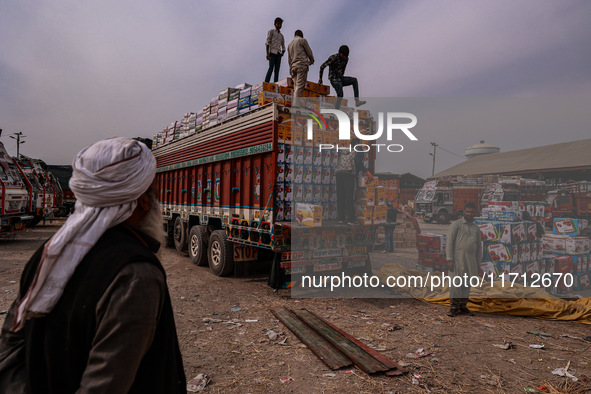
63 173
513 189
15 199
571 200
443 200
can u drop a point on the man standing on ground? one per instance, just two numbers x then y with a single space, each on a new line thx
350 163
337 64
275 45
93 313
389 227
464 254
300 57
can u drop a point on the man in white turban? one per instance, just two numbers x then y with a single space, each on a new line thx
93 313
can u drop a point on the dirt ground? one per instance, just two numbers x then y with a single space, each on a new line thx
239 355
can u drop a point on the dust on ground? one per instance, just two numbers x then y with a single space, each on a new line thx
239 356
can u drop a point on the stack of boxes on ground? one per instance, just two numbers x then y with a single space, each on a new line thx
370 202
568 251
513 249
405 234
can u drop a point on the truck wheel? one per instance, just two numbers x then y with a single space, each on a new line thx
180 235
442 218
220 253
198 245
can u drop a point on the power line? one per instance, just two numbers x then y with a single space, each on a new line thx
455 154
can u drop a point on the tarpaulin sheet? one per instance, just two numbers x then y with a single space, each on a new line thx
513 300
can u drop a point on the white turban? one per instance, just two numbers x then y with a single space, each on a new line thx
108 178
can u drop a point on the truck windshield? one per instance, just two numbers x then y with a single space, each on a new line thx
425 195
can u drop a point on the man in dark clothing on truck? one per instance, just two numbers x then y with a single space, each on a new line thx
337 64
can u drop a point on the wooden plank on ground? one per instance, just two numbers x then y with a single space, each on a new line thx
359 357
332 357
394 368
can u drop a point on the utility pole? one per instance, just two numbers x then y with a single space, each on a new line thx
433 154
18 143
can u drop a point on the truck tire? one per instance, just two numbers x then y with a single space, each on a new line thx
179 233
220 253
442 218
198 245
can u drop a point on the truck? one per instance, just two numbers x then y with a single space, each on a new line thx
513 189
227 193
63 173
442 200
571 200
15 199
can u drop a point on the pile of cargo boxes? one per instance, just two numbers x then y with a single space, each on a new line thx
431 249
392 190
569 250
513 249
370 202
231 102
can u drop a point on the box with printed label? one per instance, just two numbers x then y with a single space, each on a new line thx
309 215
298 192
288 154
288 172
308 170
380 198
364 215
298 173
488 231
317 193
518 233
317 175
308 192
286 82
488 268
577 245
380 213
505 216
567 226
270 87
498 252
431 242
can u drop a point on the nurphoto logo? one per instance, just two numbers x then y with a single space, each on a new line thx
392 120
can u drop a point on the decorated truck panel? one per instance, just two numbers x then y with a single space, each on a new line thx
15 199
227 193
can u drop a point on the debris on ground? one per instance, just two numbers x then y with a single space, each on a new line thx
536 346
287 379
419 353
506 345
198 383
541 334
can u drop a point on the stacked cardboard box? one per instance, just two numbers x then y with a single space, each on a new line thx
431 249
232 102
405 234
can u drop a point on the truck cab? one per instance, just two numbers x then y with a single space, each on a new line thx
435 202
14 196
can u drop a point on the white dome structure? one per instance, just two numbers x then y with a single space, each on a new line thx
480 149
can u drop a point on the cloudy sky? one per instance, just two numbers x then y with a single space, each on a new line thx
74 72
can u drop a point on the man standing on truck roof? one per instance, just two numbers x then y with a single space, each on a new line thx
337 64
275 45
464 255
93 313
300 57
